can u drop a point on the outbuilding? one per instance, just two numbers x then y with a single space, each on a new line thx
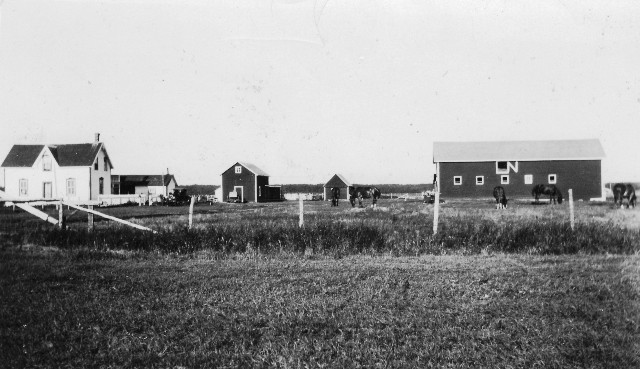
339 181
245 182
473 169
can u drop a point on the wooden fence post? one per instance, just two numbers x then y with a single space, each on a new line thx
61 219
571 215
193 200
301 221
436 210
90 218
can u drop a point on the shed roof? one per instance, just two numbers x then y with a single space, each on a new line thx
338 180
253 168
68 155
148 180
517 150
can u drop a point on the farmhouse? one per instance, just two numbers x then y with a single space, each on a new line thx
245 182
73 172
339 181
158 184
473 169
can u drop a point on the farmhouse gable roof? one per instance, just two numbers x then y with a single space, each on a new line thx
517 150
71 155
338 180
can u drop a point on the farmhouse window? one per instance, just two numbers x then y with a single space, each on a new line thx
528 179
106 164
503 167
238 169
46 162
552 179
504 179
457 180
95 165
71 186
101 186
24 187
480 180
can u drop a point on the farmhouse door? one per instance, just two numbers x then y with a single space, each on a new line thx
46 190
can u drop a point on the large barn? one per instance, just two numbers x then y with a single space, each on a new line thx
473 169
338 180
245 182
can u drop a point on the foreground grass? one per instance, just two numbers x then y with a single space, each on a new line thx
88 308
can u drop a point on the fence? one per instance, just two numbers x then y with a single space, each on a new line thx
140 199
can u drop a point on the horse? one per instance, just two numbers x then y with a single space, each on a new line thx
500 196
364 193
335 196
551 190
622 192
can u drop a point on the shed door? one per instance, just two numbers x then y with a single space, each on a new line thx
239 190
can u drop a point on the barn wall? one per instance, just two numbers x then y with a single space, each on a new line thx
246 179
263 193
583 176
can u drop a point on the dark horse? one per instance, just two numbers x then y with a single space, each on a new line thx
622 192
551 190
501 197
335 196
364 193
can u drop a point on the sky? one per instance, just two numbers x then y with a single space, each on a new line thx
305 89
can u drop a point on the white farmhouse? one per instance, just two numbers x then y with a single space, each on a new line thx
73 172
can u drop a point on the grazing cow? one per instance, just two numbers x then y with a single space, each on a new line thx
364 193
500 196
551 190
335 196
623 192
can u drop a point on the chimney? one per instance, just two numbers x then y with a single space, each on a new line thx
97 137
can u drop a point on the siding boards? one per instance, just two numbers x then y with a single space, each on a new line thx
583 176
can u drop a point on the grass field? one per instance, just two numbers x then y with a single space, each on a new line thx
353 288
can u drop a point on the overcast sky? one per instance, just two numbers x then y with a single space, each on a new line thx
305 89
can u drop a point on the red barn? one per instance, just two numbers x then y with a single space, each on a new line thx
245 182
473 169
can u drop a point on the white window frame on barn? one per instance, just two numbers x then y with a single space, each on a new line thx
457 180
528 179
479 180
508 166
504 179
238 169
553 178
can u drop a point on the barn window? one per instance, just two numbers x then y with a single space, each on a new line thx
552 179
479 180
71 186
46 162
504 179
24 187
528 179
238 169
457 180
503 167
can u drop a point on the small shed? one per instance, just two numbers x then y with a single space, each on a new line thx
245 182
338 180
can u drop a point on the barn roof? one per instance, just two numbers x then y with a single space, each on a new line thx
71 155
148 180
257 171
517 150
338 180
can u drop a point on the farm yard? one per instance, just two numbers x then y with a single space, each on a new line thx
246 286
